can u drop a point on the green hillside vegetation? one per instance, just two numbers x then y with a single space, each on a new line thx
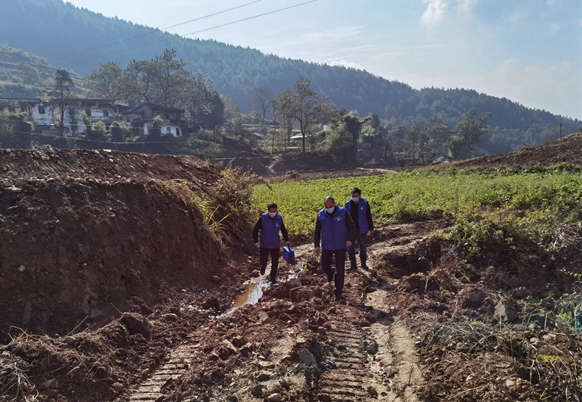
235 71
25 75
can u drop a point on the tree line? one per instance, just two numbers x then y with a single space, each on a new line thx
234 71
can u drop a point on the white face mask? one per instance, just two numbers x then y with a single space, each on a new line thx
272 214
329 210
355 199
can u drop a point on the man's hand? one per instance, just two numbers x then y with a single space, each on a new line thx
371 232
258 245
317 250
349 243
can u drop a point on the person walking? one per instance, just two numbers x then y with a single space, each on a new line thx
336 231
359 210
269 225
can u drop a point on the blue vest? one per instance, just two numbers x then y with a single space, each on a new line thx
362 219
270 229
334 232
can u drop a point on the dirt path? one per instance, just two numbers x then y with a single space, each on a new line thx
366 352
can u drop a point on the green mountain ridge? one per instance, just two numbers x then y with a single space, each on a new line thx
234 70
24 75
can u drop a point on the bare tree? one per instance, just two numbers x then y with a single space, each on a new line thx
63 89
261 97
303 105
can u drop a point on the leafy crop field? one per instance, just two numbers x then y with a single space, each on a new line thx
534 197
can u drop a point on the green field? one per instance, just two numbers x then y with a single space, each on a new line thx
533 198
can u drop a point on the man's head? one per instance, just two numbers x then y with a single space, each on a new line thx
272 209
329 203
356 194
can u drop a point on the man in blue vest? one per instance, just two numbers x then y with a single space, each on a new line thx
270 224
336 231
359 210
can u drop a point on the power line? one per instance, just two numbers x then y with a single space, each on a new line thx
162 29
192 33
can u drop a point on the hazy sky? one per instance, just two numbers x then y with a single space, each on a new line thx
529 51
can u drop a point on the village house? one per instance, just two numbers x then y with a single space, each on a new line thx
142 115
46 115
39 111
95 109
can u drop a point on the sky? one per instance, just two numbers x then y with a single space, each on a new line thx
529 51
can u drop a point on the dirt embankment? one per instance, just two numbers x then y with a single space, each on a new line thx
87 234
563 151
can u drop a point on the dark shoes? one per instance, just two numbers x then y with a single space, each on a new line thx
355 268
263 269
339 295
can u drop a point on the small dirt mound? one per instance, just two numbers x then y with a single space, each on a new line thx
565 151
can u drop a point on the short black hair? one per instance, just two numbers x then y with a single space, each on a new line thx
357 190
272 205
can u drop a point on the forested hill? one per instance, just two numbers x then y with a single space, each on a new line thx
55 30
25 75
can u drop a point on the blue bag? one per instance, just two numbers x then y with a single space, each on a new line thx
289 255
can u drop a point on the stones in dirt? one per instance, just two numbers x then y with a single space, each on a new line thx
472 297
371 347
275 398
136 324
300 294
262 377
506 310
325 398
238 341
258 390
211 303
306 358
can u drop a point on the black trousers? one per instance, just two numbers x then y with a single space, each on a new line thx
361 239
340 266
264 257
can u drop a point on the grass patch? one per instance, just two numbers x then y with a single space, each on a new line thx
533 201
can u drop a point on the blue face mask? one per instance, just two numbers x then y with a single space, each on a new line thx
329 210
272 214
355 199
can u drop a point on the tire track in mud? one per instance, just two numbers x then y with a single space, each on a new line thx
392 373
177 365
389 373
350 380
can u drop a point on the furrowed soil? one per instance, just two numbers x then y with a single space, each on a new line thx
116 286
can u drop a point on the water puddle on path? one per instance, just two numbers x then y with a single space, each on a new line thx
251 295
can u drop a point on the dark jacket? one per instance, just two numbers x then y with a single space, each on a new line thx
362 215
270 228
334 229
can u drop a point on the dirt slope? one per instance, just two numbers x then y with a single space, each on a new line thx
86 234
566 150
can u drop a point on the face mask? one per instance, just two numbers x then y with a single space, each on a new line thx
272 214
329 210
355 199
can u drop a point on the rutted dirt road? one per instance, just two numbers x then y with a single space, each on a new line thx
299 344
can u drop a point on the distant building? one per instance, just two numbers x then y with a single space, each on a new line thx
142 115
45 114
96 109
39 111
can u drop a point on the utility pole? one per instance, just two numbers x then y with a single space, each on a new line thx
560 130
